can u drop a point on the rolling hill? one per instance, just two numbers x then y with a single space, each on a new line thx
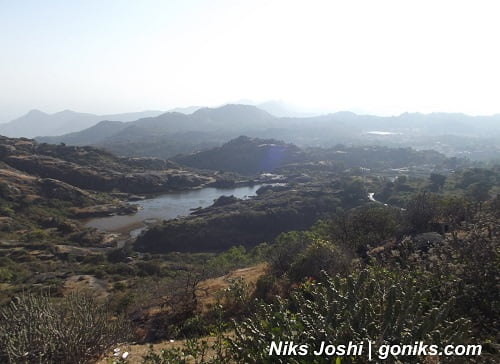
245 155
36 122
173 133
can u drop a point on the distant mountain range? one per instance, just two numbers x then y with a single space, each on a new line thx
280 109
172 133
36 122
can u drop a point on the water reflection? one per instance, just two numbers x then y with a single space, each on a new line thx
168 206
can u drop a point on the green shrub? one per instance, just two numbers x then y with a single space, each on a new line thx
376 306
194 326
236 297
264 287
149 268
6 275
194 351
36 235
286 248
320 255
233 258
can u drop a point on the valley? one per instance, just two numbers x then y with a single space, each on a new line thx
249 182
148 235
173 133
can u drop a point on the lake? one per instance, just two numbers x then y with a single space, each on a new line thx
167 206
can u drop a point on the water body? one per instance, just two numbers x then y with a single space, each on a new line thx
379 132
168 206
371 198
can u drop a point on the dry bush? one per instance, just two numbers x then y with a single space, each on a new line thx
75 329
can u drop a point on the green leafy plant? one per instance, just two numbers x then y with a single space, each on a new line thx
372 305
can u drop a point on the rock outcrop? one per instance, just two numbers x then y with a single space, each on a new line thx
93 169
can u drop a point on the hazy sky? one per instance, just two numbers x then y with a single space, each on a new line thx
385 57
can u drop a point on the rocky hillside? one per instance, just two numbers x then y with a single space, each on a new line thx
46 189
245 155
90 168
243 222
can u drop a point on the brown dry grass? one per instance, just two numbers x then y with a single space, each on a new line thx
211 288
138 351
207 298
86 282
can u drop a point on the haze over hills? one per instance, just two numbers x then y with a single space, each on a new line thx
36 122
185 110
249 182
281 109
171 133
245 156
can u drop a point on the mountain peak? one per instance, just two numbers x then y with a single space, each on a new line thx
65 112
234 110
35 112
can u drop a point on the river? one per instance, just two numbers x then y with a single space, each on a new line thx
371 198
167 206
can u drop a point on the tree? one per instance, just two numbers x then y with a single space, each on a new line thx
437 180
285 249
354 191
479 191
320 255
421 210
362 227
